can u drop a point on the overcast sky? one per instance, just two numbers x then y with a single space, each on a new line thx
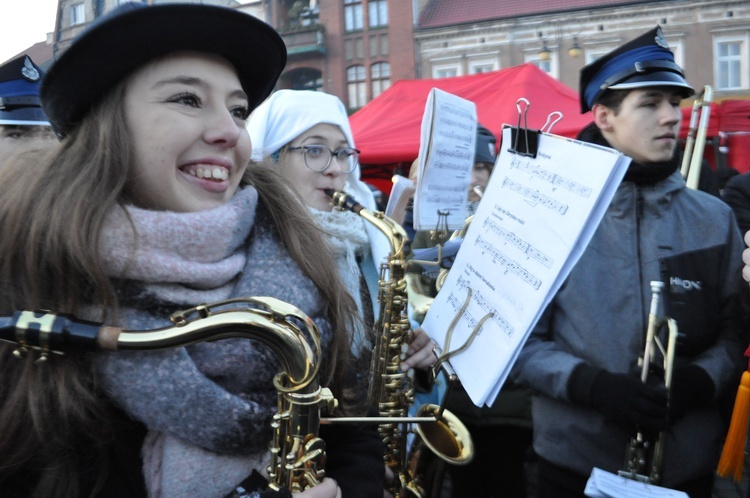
25 22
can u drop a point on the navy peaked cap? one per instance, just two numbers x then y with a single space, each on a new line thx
19 93
645 61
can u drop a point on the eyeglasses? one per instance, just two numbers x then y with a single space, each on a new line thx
318 157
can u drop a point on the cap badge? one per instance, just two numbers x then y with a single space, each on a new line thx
659 39
29 71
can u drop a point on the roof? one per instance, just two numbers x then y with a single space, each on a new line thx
40 53
387 129
441 13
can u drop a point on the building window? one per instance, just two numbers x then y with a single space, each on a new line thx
731 63
548 66
359 47
378 10
77 14
445 71
594 54
378 45
353 15
305 79
482 66
383 44
355 80
380 78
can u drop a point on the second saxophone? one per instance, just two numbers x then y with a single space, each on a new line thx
417 468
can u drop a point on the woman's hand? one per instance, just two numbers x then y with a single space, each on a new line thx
326 489
421 353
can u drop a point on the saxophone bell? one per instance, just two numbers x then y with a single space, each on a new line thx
439 436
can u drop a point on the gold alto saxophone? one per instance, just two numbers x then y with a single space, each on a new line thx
297 453
439 433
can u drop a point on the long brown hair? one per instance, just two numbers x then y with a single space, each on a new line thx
53 202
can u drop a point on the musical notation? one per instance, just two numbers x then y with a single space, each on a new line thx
453 135
535 196
510 264
550 177
446 157
477 297
523 246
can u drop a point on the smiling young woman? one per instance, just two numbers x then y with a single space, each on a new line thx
146 206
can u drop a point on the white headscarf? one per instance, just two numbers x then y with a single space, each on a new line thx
287 114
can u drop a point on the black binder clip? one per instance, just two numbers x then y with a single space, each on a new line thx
525 142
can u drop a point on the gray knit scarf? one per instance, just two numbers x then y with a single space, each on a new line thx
348 241
208 405
172 258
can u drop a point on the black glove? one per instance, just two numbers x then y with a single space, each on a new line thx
691 388
622 398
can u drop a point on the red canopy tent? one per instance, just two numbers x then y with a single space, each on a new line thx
713 120
735 124
387 130
727 135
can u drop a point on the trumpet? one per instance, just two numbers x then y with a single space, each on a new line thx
692 158
637 454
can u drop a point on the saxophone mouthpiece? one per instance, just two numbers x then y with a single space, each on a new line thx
342 200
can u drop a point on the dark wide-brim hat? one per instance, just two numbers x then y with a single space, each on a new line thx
131 35
645 61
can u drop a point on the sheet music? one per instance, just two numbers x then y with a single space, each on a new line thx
446 158
402 190
533 223
603 484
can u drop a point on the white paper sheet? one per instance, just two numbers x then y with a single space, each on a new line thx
446 158
603 484
533 223
402 190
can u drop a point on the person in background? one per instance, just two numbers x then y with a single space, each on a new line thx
484 162
736 193
582 357
306 136
723 175
148 206
22 121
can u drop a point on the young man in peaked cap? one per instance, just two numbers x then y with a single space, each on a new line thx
21 117
582 358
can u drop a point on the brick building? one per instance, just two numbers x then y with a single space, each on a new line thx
355 49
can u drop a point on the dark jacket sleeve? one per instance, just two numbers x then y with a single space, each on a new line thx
355 459
736 193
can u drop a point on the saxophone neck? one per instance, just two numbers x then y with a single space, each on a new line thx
395 233
270 321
